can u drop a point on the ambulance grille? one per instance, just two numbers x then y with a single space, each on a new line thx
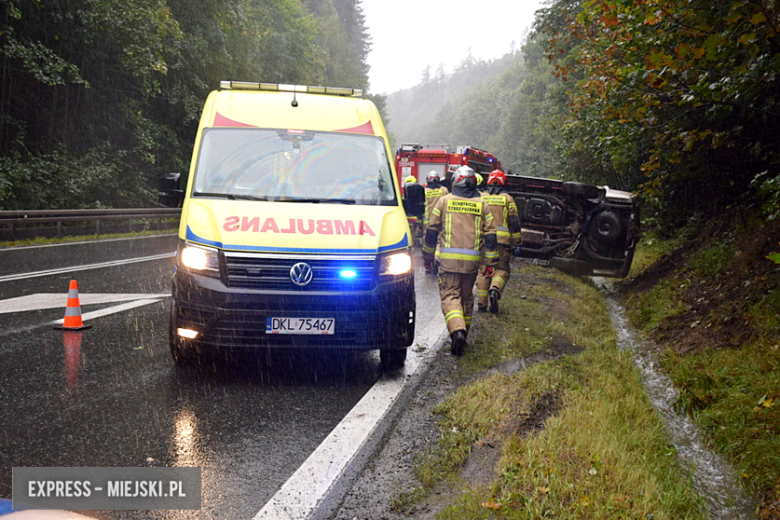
272 272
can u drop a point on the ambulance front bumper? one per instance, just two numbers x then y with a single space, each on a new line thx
381 316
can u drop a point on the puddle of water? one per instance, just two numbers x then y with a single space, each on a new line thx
713 477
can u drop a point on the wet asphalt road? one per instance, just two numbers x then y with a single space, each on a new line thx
111 396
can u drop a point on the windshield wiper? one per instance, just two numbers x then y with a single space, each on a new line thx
327 201
248 197
229 196
207 194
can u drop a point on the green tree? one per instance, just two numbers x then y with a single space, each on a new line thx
690 89
343 65
99 97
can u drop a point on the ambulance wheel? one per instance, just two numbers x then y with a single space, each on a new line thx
392 359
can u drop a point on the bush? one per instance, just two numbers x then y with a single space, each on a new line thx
64 180
712 261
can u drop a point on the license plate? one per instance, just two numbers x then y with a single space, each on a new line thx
300 325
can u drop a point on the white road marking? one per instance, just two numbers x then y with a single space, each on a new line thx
112 310
309 486
113 263
87 316
40 301
21 330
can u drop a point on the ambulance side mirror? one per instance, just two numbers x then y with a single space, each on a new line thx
170 193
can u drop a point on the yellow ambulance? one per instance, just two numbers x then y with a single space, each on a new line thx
292 230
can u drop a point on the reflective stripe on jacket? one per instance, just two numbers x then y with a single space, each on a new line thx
464 226
432 196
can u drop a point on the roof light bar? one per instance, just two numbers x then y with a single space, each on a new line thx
282 87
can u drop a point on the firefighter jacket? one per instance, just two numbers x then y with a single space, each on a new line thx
432 196
502 206
458 230
414 200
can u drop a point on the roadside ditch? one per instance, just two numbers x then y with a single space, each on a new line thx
714 478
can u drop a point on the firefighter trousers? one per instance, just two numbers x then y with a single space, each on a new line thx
457 299
498 280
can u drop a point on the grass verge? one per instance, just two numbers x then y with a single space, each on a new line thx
647 309
651 248
574 434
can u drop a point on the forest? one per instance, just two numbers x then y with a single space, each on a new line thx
101 97
678 101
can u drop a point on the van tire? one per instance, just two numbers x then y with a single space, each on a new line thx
392 359
626 268
605 227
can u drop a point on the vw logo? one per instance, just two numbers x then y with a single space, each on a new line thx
301 274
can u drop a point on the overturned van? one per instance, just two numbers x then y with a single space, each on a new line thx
292 230
578 228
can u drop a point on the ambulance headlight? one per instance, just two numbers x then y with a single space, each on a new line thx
395 264
199 259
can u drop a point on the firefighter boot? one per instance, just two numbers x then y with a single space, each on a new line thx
458 342
493 298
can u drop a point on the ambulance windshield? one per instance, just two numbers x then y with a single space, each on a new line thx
294 165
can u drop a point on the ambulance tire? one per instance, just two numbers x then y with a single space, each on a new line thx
392 359
182 353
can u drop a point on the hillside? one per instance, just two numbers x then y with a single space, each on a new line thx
411 111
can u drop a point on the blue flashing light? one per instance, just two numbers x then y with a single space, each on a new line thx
348 273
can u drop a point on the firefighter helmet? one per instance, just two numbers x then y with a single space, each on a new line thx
497 177
410 180
479 179
434 176
462 176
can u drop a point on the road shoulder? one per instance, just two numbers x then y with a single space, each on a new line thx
544 414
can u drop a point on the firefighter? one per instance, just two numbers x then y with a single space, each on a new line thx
461 224
414 205
504 210
433 192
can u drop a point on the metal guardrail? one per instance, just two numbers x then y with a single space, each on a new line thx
12 219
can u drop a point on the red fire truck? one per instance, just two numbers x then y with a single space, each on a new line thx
419 160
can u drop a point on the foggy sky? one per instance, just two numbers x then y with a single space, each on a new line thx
409 34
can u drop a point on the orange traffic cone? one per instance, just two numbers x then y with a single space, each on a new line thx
72 319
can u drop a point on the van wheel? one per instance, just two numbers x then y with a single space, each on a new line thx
392 359
626 268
